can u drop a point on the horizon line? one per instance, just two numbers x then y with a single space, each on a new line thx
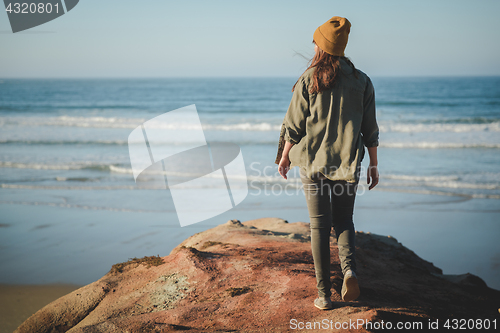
227 77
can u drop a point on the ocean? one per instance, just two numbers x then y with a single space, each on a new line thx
70 207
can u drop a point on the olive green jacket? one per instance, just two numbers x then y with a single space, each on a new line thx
330 129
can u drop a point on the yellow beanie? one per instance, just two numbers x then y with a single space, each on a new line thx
332 36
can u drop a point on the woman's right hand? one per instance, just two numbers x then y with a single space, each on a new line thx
284 166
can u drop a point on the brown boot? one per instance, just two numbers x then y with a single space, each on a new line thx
350 287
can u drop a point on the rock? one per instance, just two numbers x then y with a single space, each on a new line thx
67 311
236 223
259 276
466 280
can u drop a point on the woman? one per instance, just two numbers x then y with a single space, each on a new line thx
331 118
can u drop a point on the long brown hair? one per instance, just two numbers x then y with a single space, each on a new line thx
327 67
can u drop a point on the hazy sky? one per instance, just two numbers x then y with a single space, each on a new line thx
160 38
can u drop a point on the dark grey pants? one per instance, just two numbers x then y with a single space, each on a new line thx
330 203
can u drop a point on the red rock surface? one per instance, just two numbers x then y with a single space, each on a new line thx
258 276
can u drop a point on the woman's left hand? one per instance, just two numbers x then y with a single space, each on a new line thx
284 166
372 175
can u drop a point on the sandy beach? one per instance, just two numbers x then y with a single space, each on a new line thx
18 302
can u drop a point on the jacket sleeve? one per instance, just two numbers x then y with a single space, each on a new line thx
281 144
298 111
369 127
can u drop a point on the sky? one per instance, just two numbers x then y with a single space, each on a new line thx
222 38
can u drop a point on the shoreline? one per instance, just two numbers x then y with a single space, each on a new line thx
47 249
